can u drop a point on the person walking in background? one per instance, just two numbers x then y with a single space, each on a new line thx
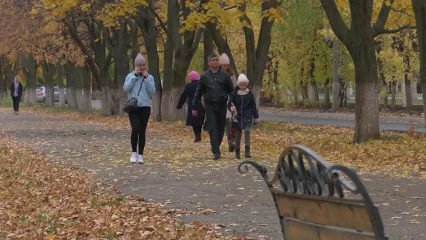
243 105
195 121
140 85
16 94
230 132
215 85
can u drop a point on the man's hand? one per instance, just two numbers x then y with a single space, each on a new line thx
194 113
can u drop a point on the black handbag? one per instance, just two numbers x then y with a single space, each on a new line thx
132 103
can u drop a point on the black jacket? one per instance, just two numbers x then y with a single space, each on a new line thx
214 87
12 89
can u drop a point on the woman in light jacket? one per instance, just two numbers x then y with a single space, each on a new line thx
140 85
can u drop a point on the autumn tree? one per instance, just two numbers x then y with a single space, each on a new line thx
359 40
221 13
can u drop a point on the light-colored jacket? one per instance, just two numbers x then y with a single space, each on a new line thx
234 81
132 84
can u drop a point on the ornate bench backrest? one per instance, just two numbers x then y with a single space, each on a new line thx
310 200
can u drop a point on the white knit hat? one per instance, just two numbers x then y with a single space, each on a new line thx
224 59
242 78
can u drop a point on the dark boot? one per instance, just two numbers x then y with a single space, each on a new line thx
247 153
237 153
231 146
197 133
216 156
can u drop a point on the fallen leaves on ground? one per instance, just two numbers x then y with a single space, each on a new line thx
40 199
395 153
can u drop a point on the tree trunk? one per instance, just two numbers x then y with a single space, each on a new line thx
121 60
85 105
48 71
383 81
313 88
327 94
386 96
171 95
313 92
118 41
29 67
343 93
359 40
208 47
149 33
393 95
257 55
336 61
305 94
78 86
366 97
420 14
3 88
59 74
407 71
103 61
179 51
70 75
276 84
408 94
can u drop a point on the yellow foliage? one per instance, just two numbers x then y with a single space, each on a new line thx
123 8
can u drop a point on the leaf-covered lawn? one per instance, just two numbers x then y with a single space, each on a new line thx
43 200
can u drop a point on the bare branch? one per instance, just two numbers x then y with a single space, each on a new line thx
383 30
382 18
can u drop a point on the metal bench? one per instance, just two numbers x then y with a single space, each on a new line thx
310 200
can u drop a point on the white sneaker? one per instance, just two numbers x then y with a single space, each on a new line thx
134 157
140 158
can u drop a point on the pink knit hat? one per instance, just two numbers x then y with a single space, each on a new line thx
194 76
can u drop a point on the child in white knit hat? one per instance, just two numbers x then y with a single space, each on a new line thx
243 105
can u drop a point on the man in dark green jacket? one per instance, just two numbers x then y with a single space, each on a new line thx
215 85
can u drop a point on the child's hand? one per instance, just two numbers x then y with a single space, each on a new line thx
232 108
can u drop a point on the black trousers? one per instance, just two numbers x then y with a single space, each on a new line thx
16 101
216 118
139 121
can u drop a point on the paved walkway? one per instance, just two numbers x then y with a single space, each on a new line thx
182 176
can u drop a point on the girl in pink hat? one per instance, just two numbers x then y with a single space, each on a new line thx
195 121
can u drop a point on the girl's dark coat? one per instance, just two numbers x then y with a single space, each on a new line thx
189 93
246 108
